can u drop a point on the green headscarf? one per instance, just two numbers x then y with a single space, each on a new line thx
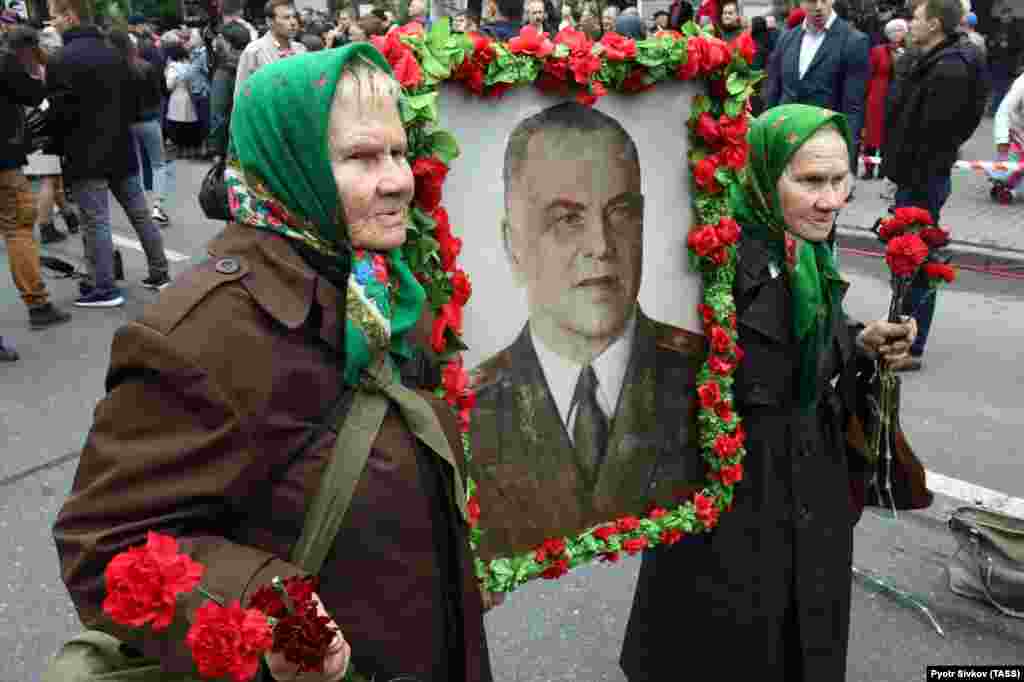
280 180
814 279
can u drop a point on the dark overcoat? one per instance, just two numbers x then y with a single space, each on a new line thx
211 396
766 595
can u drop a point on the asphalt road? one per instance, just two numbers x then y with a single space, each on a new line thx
962 414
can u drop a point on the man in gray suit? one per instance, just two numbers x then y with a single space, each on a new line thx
590 414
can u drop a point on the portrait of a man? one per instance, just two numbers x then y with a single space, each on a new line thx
589 414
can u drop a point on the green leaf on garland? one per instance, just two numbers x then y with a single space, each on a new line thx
733 107
701 104
439 34
433 69
691 29
735 84
502 568
444 146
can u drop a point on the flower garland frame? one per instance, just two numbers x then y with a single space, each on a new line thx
570 64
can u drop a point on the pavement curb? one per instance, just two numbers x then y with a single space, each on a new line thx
964 253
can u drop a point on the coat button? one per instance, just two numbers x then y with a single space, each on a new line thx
227 266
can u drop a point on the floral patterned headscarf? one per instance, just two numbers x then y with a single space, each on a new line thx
280 180
774 137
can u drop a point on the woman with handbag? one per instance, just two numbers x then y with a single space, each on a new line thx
209 430
774 578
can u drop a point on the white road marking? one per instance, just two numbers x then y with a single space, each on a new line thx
975 494
136 246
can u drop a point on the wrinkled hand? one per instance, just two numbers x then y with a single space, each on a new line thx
492 599
891 341
335 663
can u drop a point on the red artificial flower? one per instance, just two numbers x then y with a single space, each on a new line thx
707 512
938 271
588 97
740 435
731 474
726 446
617 47
657 513
704 240
671 536
721 366
608 557
636 81
143 583
627 524
454 381
746 46
889 229
715 55
634 545
228 641
605 533
448 317
473 511
690 69
449 246
305 638
401 58
471 74
429 173
584 64
905 254
707 314
732 324
935 237
532 42
721 342
704 174
558 69
462 289
720 256
551 84
708 129
724 411
909 215
412 28
734 130
300 589
735 156
795 17
709 394
556 570
554 547
728 231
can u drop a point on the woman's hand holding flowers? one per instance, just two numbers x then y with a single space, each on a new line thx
890 340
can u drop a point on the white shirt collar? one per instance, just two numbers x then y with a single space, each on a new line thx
610 366
828 24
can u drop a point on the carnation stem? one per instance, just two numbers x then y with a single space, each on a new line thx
215 599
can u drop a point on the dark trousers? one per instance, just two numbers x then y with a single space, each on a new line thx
920 300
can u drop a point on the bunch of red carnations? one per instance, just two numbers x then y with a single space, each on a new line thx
227 641
912 243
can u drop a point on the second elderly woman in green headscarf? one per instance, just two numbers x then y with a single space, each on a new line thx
282 371
772 582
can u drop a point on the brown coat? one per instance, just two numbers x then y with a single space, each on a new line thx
208 395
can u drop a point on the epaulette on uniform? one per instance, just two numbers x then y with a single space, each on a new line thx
189 289
679 340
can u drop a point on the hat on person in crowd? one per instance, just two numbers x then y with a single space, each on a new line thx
796 17
896 25
972 19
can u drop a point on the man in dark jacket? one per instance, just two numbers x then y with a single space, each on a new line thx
90 92
936 108
508 21
823 62
233 39
21 85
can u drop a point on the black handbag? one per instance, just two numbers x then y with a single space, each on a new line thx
213 195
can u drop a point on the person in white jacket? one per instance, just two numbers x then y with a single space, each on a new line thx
1009 131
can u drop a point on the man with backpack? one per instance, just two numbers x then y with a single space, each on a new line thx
936 107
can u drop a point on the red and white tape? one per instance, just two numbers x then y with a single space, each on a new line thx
979 166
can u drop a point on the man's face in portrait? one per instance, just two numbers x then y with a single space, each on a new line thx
730 16
661 20
536 14
576 232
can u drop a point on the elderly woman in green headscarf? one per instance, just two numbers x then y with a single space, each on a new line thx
771 584
273 375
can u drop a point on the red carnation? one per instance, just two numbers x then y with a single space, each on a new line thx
707 314
905 254
228 641
724 412
584 64
732 324
728 231
736 350
605 533
889 229
449 246
735 156
636 81
709 394
704 174
657 513
143 583
938 271
558 69
719 256
746 46
721 342
448 317
473 510
617 47
634 545
532 42
689 69
708 129
401 58
703 241
554 547
707 512
720 366
726 446
430 173
305 638
556 570
671 536
608 557
731 474
454 381
716 54
935 237
461 288
734 130
627 524
908 215
795 17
